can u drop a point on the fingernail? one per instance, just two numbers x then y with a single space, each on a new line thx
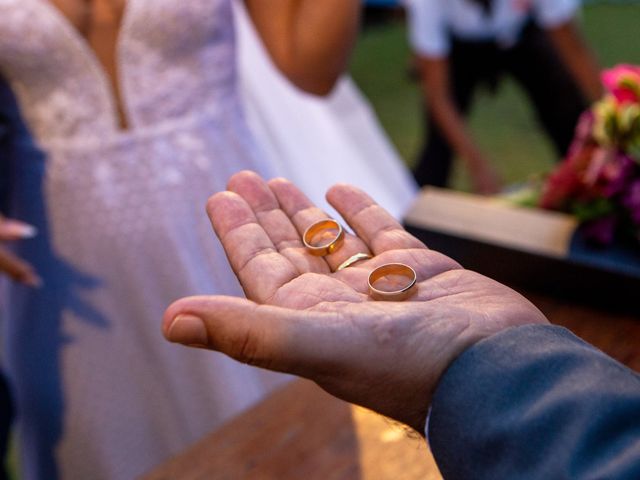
188 330
28 231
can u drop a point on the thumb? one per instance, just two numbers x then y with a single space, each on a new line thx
265 336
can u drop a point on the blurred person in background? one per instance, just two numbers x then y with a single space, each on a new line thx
131 119
461 45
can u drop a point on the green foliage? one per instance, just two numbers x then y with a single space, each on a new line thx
585 211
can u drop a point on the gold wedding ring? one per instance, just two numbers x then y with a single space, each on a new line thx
353 259
323 237
392 282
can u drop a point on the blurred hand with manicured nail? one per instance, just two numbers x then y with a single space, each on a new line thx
10 264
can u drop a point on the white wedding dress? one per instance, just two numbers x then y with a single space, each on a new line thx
123 230
318 142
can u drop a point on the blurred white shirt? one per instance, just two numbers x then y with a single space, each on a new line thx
432 22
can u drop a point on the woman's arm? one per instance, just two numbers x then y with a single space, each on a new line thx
308 40
434 75
578 57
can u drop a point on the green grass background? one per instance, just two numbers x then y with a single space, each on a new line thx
502 124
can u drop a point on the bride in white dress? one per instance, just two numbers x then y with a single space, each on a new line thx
318 141
132 121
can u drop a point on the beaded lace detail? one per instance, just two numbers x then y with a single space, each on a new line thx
173 58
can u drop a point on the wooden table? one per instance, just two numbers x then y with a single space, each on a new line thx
302 433
615 333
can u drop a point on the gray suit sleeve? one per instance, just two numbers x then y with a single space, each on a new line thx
536 402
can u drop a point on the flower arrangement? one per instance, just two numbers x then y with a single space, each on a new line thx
599 180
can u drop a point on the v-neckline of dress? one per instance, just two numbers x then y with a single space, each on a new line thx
116 103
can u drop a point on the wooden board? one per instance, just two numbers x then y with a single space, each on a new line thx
493 221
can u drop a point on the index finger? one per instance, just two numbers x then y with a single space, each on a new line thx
276 224
251 253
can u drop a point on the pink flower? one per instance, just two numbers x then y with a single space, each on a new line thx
599 179
566 182
623 81
583 133
613 175
589 173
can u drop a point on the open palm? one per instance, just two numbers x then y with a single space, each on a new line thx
303 317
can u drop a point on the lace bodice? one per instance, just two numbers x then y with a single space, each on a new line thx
175 57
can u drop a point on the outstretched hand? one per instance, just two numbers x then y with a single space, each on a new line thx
303 317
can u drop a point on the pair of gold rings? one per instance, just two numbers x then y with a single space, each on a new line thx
389 282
